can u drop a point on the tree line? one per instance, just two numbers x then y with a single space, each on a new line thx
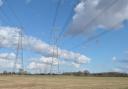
79 73
103 74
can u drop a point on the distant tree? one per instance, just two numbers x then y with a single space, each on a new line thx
5 72
86 72
21 71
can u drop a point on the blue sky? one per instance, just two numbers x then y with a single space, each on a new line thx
36 18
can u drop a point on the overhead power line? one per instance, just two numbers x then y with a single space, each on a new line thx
53 37
14 14
96 36
93 20
102 12
91 39
56 13
19 49
5 16
19 52
61 34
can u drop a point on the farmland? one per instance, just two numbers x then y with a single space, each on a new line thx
62 82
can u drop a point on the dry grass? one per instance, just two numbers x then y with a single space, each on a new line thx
62 82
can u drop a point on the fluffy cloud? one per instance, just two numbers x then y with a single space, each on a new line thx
7 60
1 3
121 69
76 65
7 56
9 39
114 58
36 65
42 62
46 60
117 70
92 14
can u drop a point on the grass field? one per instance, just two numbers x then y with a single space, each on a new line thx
62 82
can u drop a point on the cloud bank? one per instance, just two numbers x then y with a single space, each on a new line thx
9 37
7 60
92 14
43 63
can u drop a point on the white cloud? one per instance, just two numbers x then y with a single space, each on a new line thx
43 64
35 65
46 60
114 58
88 10
7 60
117 70
38 67
7 56
76 65
123 69
9 39
1 3
49 60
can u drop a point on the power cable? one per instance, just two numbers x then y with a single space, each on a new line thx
88 24
52 34
21 34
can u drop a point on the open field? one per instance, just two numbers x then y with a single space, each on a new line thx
62 82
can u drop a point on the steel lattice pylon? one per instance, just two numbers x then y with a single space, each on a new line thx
19 52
